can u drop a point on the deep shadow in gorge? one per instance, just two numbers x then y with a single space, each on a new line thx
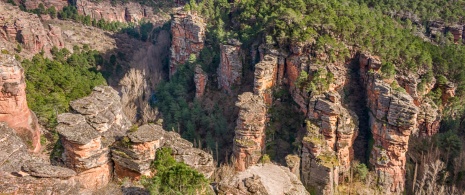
355 97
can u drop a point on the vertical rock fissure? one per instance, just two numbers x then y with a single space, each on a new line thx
355 94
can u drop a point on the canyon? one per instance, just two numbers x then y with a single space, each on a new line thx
352 111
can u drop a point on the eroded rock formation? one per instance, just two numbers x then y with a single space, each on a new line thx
265 77
13 104
87 135
129 12
98 142
188 34
230 68
200 79
249 140
21 173
26 29
133 157
393 117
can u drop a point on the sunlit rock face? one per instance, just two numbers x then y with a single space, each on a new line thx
13 104
249 140
188 35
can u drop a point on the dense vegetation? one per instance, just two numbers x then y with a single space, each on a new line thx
52 84
174 177
426 10
205 127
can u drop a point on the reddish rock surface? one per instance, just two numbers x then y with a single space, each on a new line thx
331 131
13 104
26 29
188 34
249 140
22 173
129 12
265 77
393 117
230 68
34 4
86 136
200 79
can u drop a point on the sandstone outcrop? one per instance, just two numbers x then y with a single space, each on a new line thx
184 151
87 135
188 35
134 154
265 77
129 12
98 142
263 179
327 146
200 79
26 29
249 140
34 4
13 104
21 173
393 117
230 68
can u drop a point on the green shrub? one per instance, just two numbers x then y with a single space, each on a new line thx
174 177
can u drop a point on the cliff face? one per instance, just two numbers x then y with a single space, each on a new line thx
22 173
265 77
34 4
129 12
27 30
230 68
200 79
249 139
188 34
13 105
393 118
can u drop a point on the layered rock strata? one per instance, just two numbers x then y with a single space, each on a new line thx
266 72
230 68
87 135
188 35
200 80
133 155
393 117
327 147
129 12
21 173
26 29
133 158
34 4
13 104
263 179
249 140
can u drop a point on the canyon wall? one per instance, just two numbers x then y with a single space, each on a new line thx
230 68
188 35
393 118
130 12
13 104
200 80
26 29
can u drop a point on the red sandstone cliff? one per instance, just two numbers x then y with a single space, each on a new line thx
249 139
26 29
13 105
188 34
230 68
